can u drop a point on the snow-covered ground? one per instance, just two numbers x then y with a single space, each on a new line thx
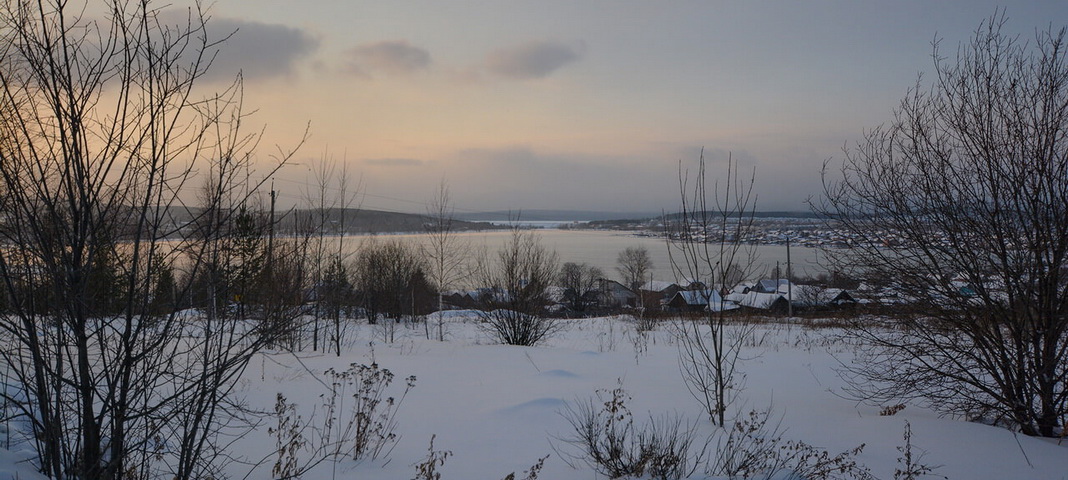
497 408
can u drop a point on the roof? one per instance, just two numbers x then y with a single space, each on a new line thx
811 295
736 297
612 285
698 297
741 288
708 298
763 301
769 285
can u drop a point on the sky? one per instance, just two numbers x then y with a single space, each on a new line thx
592 105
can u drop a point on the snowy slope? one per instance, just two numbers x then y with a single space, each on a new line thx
497 408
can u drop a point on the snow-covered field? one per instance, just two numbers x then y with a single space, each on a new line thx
497 408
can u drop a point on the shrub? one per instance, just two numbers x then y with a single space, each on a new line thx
364 429
289 439
752 449
910 467
371 419
890 410
428 468
606 438
532 473
511 327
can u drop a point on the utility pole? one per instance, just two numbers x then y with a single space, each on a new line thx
789 281
270 231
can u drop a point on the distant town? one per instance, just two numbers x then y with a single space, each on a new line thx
773 228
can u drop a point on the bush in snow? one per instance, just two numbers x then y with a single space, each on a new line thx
605 438
909 466
515 328
753 449
357 421
516 294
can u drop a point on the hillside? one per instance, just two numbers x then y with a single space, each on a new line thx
376 221
354 220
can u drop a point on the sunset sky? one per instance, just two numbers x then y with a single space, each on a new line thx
586 105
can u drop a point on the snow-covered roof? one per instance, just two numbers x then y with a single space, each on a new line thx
769 285
828 295
709 298
699 297
763 301
735 297
803 295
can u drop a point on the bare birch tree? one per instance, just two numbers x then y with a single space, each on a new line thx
446 252
707 243
331 197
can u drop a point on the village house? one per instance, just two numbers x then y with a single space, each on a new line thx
657 293
611 294
699 301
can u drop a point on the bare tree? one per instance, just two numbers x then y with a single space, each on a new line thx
331 196
391 281
280 291
961 202
580 282
634 265
707 243
446 253
320 203
252 276
517 290
100 135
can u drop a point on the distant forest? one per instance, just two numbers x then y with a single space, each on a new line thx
355 220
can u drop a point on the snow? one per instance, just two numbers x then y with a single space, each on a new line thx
497 408
15 465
